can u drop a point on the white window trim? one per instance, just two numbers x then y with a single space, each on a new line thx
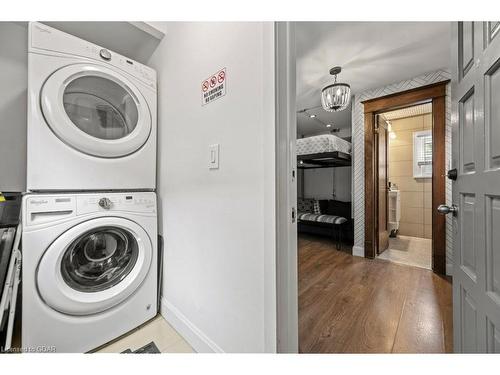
419 170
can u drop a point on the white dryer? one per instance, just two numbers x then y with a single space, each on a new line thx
89 268
91 116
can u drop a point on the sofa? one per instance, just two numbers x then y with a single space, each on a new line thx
326 217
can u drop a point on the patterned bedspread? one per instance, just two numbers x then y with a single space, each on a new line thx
322 143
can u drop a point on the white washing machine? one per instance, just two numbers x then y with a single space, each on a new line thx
91 116
89 268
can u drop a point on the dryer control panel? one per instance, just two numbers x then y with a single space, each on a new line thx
43 37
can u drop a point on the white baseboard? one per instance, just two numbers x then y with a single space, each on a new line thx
192 334
358 251
449 269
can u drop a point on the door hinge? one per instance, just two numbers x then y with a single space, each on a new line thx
293 215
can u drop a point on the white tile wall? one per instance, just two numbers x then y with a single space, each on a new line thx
358 133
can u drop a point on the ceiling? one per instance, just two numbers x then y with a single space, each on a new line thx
371 54
415 110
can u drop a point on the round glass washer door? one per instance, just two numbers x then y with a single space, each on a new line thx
94 266
96 110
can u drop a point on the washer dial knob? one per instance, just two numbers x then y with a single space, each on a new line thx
105 54
105 203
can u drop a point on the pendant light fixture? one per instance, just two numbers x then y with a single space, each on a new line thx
336 97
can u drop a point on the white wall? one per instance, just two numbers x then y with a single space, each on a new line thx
320 183
219 225
13 96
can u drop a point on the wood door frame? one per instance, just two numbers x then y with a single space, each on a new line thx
377 124
435 93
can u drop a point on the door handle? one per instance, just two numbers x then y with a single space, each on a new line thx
452 174
444 209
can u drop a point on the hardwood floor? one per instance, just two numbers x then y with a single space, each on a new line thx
355 305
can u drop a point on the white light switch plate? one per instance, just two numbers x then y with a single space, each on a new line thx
213 156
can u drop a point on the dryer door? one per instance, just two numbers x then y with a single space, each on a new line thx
94 266
96 110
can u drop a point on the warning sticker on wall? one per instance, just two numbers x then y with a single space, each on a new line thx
214 87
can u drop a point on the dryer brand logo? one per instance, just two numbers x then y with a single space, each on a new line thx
43 30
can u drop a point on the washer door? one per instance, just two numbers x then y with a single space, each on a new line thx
94 266
96 110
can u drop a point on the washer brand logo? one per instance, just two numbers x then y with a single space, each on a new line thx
38 202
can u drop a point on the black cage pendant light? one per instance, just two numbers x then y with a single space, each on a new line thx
336 97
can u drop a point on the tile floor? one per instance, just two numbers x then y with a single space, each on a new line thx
157 330
412 251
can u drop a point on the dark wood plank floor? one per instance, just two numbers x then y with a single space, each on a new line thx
355 305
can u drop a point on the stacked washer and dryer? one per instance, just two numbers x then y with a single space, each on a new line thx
89 219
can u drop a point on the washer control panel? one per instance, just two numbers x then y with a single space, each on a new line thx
46 208
131 202
41 209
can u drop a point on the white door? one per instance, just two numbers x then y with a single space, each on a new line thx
476 191
95 110
94 266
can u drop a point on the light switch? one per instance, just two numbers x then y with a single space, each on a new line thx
213 161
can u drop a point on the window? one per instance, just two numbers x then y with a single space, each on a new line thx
422 154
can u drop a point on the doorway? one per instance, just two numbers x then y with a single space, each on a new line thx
404 148
339 295
380 222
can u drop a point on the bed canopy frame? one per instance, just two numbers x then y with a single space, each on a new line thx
324 160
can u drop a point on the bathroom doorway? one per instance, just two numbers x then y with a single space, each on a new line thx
405 177
405 169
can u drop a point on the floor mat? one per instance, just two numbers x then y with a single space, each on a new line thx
150 348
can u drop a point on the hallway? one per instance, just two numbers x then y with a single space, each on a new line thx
355 305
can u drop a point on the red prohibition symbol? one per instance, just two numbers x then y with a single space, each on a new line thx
213 81
204 87
221 76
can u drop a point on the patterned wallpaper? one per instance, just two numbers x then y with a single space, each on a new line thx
358 171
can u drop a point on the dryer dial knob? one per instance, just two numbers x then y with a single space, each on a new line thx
105 203
105 54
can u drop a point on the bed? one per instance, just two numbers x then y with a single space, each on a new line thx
322 143
323 151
